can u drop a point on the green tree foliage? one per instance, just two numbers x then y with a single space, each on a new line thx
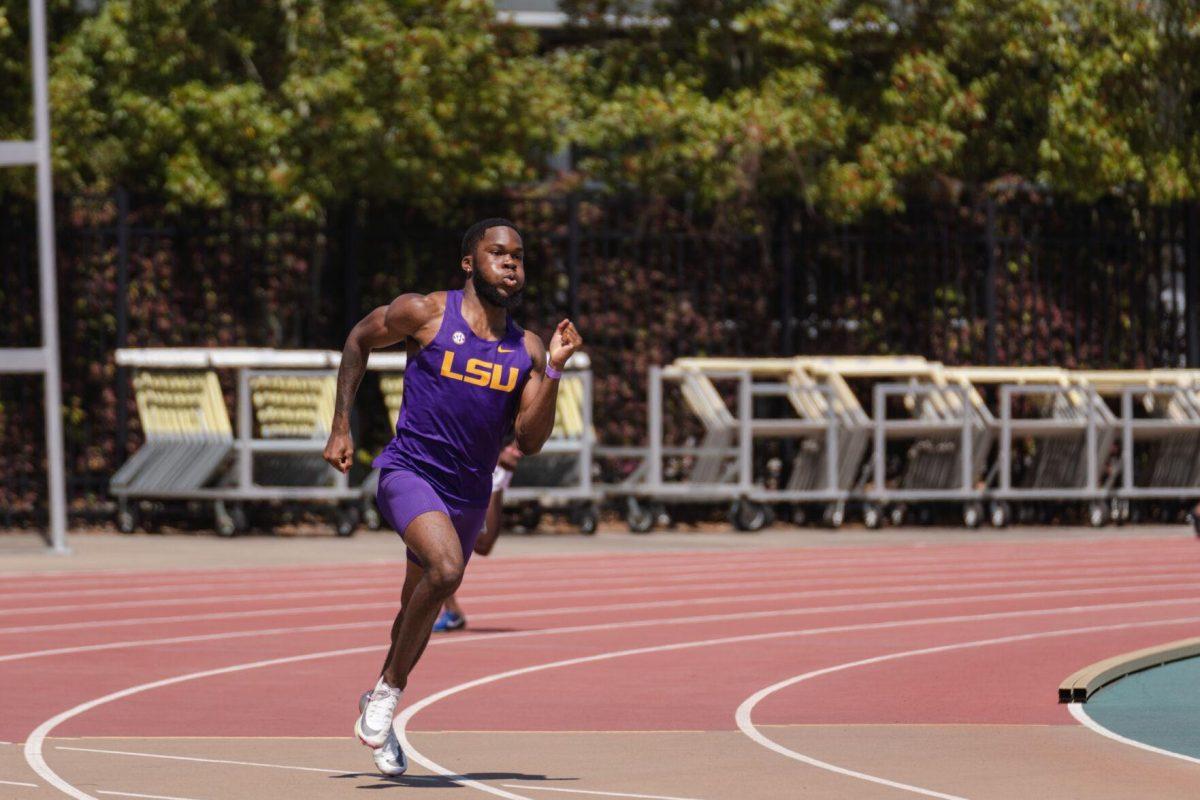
311 101
847 105
856 104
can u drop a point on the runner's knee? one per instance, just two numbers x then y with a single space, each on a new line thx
444 576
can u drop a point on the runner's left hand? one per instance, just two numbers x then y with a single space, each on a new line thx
563 344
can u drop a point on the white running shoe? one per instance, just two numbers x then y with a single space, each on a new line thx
389 759
375 722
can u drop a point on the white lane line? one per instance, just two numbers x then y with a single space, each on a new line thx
799 560
18 783
203 637
698 587
207 760
744 711
1079 712
1014 549
500 572
401 722
780 574
34 742
612 557
146 796
1014 544
585 791
885 604
33 745
771 570
798 566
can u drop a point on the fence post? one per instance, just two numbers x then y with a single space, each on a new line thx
1191 286
573 235
989 301
351 290
122 321
787 308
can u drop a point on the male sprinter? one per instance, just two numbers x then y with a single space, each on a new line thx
472 375
452 617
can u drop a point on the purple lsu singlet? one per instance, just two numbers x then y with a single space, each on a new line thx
460 400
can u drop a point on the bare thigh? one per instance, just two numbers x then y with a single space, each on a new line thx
432 537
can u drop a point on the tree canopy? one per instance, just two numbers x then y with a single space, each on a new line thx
846 105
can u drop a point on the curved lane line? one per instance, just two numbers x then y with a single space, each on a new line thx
905 581
889 604
744 711
33 744
401 722
1079 712
800 559
785 572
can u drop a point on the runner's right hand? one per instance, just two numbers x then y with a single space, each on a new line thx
339 451
509 457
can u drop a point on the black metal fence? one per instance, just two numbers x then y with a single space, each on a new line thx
1017 279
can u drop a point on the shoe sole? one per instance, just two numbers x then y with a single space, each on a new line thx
362 706
403 768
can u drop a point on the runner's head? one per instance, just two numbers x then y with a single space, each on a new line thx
493 257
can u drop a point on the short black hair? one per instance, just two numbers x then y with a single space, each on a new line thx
475 233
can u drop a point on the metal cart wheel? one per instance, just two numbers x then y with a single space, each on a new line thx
1097 514
347 520
639 517
748 516
530 517
371 518
226 525
1119 510
872 516
834 514
662 517
127 519
999 514
586 517
972 514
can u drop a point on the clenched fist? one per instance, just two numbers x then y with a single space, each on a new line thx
339 451
563 344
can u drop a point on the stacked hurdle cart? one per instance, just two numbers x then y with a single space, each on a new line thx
1158 421
995 442
284 411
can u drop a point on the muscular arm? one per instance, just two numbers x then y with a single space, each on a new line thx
535 419
384 326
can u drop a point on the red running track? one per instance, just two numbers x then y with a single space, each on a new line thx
67 639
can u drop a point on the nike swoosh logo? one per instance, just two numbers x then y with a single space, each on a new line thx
502 350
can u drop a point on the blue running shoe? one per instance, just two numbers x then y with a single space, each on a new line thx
449 621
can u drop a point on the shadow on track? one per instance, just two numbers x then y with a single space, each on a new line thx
441 781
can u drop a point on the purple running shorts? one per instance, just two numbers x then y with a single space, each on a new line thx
403 496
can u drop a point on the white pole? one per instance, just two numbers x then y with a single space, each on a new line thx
49 283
